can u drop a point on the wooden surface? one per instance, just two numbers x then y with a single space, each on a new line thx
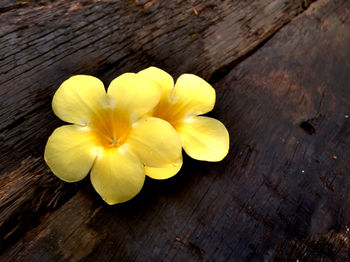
281 72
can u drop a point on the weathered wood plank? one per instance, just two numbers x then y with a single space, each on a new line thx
43 43
42 46
280 195
21 203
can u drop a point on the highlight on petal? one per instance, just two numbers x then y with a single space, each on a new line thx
78 98
117 175
164 172
193 94
70 152
155 142
162 78
204 138
134 94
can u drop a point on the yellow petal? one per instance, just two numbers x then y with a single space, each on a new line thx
117 175
70 152
162 78
164 172
134 94
78 98
193 94
204 138
155 142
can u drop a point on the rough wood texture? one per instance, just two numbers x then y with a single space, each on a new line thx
43 43
282 194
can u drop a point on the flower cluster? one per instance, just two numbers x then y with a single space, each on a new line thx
137 128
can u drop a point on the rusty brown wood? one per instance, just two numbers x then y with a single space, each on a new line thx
43 43
282 194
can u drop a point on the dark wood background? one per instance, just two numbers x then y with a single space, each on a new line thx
281 70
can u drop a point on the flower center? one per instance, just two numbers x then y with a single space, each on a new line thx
111 127
174 113
115 142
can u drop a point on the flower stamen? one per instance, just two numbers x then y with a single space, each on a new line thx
115 142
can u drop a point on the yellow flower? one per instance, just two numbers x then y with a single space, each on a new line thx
203 138
110 134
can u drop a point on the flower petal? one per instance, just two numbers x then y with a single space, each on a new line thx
193 94
117 175
155 142
134 94
78 98
164 172
204 138
70 152
162 78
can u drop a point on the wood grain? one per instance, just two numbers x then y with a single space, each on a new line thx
43 43
282 194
